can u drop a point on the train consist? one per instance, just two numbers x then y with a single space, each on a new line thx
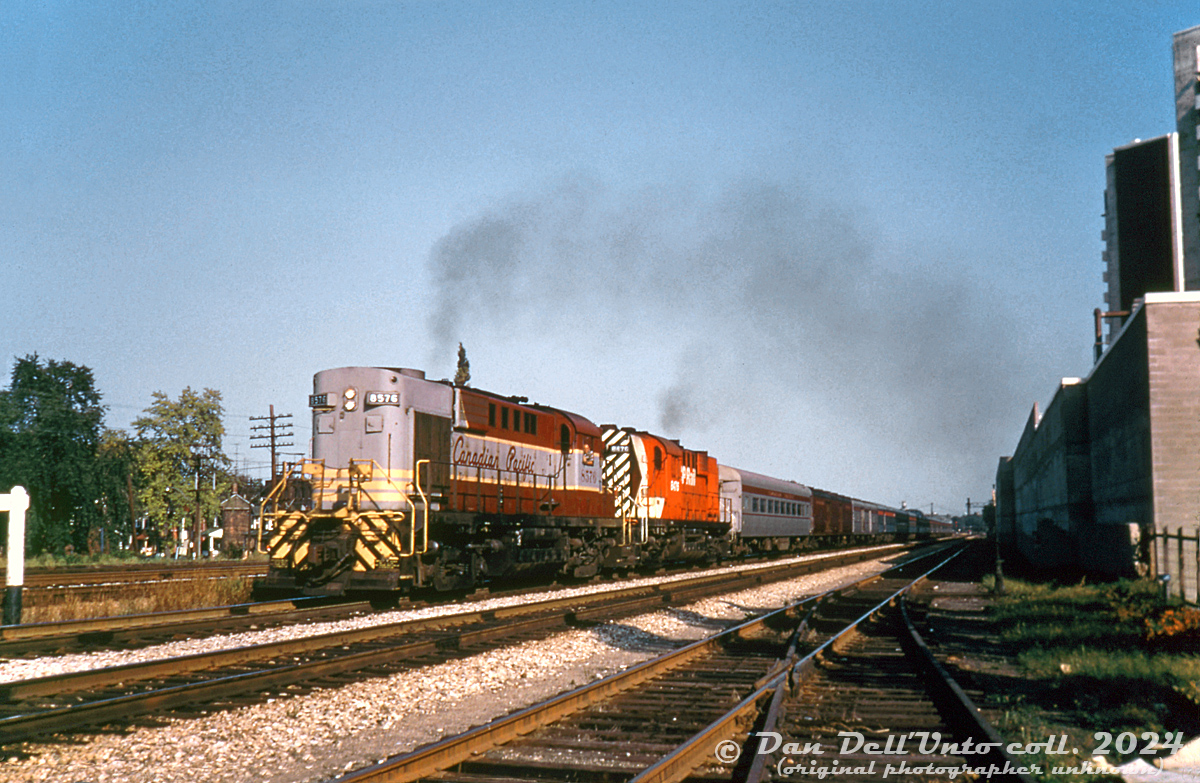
419 483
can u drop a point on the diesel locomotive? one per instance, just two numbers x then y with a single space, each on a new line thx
419 483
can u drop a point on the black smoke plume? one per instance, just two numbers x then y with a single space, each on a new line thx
762 295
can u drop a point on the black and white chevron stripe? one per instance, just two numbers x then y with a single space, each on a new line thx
620 474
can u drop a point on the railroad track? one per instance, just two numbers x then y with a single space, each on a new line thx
65 703
843 662
37 578
50 587
872 697
140 630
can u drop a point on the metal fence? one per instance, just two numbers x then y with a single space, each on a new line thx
1177 556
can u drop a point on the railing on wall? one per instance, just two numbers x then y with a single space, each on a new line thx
1177 556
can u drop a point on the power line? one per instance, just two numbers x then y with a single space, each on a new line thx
270 435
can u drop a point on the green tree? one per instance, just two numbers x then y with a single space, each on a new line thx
50 426
462 375
179 452
116 464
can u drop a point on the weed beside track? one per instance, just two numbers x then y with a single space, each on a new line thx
59 604
1085 661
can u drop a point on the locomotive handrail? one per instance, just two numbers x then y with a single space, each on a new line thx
322 482
480 478
424 500
317 466
623 499
387 476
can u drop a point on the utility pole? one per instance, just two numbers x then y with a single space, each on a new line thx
271 434
999 584
198 524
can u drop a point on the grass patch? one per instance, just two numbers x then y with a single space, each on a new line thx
139 599
44 605
1095 658
47 560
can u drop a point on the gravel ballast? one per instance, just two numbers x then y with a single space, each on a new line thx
30 668
322 733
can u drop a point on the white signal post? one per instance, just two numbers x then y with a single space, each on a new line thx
15 503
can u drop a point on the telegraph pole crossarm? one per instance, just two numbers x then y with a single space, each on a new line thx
271 434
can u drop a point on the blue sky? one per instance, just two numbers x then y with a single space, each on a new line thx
845 243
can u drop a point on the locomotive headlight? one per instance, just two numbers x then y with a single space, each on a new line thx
349 403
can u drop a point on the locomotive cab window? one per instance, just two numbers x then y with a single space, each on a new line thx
491 414
504 418
564 438
657 458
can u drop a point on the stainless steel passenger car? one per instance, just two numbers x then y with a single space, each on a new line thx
766 513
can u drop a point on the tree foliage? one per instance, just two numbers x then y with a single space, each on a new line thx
116 472
51 424
89 484
179 452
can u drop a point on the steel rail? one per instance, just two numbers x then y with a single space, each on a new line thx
679 763
579 608
17 640
957 702
539 615
441 755
21 727
67 577
949 697
21 639
65 630
453 750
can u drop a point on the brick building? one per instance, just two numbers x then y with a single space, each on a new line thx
237 514
1112 465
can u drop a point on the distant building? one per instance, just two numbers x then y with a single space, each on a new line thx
972 523
237 514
